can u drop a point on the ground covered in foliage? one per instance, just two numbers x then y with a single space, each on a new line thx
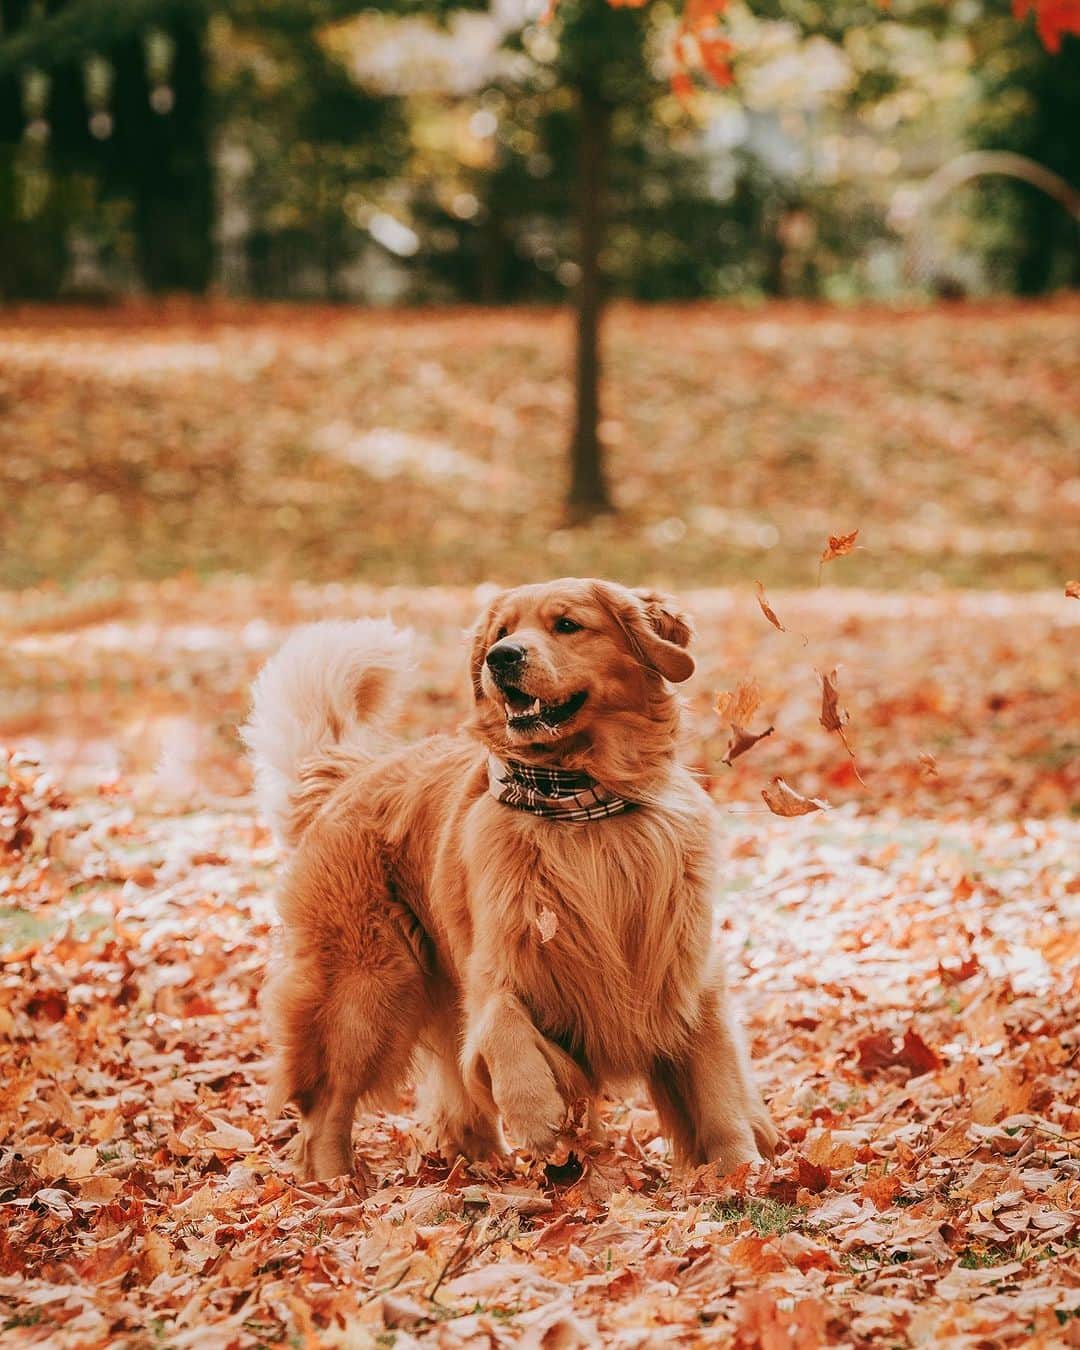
907 963
429 447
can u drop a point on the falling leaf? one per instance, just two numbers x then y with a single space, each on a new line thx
832 719
737 709
739 706
839 545
928 764
785 801
548 923
741 741
1072 590
767 609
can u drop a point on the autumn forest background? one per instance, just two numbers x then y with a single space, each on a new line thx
312 309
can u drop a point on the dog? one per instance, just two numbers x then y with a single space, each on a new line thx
522 912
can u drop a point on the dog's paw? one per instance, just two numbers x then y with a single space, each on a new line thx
766 1135
532 1114
473 1140
732 1147
315 1158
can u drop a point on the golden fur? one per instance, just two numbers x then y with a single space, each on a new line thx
411 900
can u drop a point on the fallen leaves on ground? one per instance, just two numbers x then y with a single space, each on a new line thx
907 966
430 446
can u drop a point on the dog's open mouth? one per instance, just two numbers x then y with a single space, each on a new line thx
526 712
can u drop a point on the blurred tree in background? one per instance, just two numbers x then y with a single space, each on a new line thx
417 151
409 151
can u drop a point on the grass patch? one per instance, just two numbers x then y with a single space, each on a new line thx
766 1217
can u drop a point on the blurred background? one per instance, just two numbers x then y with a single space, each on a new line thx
418 153
311 289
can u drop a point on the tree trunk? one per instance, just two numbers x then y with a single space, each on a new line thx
588 487
163 162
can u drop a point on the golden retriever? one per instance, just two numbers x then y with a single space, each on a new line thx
522 910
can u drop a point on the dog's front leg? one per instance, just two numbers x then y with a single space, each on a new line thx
506 1060
708 1102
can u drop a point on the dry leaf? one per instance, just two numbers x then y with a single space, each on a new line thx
839 545
1072 590
736 709
831 717
548 923
767 609
70 1163
228 1137
784 801
741 741
928 764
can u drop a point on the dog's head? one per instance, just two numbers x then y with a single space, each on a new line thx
574 671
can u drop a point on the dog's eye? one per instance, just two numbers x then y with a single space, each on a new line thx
501 633
566 625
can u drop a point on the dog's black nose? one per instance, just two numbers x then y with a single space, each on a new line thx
505 656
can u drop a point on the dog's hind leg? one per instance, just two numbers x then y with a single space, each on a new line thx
346 1004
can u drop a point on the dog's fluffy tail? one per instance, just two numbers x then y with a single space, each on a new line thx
319 707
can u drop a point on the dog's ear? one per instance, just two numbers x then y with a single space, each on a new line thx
478 644
665 616
658 633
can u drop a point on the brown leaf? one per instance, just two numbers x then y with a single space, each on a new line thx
880 1051
737 708
741 741
831 717
784 801
917 1055
1072 590
402 1312
881 1191
875 1051
810 1175
767 609
928 764
839 545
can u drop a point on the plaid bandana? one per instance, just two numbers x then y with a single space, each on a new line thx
558 794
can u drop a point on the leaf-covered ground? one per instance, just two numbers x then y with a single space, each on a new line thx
907 963
430 447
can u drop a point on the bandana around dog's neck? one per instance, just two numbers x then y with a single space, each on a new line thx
558 794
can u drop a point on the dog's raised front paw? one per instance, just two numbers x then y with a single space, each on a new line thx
532 1115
